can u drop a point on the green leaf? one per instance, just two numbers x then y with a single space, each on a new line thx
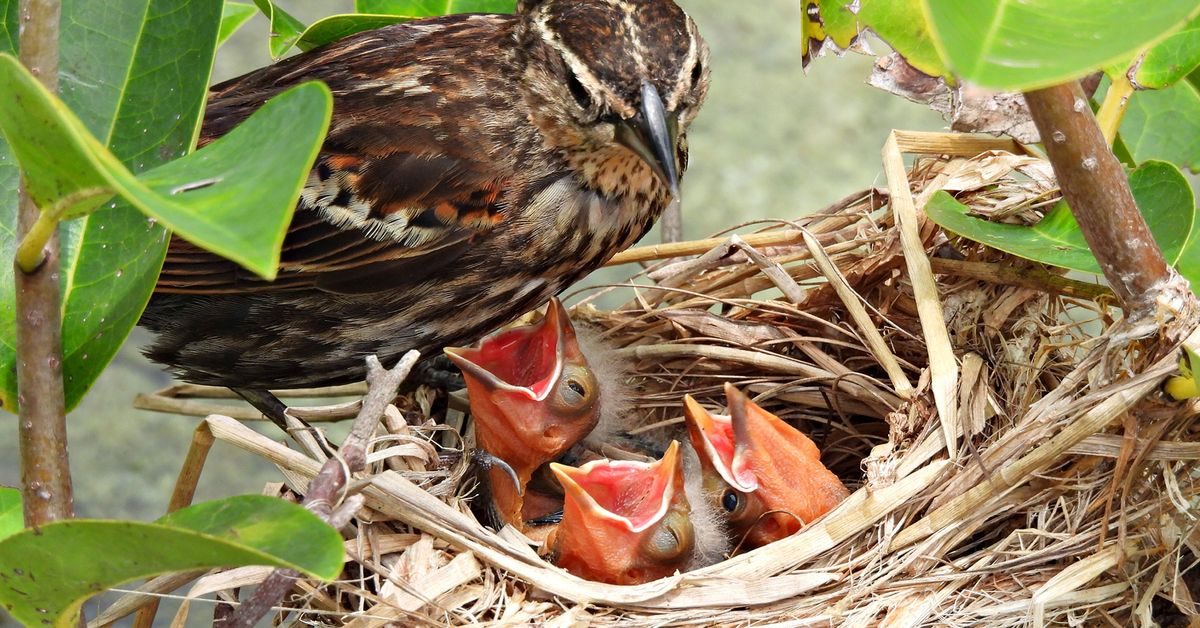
335 27
285 29
233 16
902 24
12 518
1026 44
1160 189
235 197
1164 124
136 73
51 572
1170 61
427 8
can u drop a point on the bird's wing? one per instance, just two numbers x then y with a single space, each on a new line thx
401 186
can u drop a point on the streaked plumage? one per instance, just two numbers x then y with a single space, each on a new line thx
476 165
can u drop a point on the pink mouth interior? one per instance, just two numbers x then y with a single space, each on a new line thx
627 489
720 436
523 357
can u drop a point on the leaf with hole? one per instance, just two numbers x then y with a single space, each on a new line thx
49 573
1160 189
1027 44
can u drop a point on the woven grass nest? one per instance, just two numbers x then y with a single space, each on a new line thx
1068 496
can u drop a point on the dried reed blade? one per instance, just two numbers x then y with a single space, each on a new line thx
942 362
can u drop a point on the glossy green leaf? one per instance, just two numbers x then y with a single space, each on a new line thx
1025 44
51 572
233 16
135 72
335 27
1160 189
1164 124
1168 62
427 8
234 197
285 29
12 519
902 24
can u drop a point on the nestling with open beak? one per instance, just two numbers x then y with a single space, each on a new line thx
624 522
532 398
767 475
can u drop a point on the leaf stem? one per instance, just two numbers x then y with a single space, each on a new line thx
1095 186
1112 110
42 428
29 252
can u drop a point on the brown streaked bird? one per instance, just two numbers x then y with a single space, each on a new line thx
766 474
475 166
624 522
532 397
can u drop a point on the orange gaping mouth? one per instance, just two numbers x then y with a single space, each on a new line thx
526 360
635 495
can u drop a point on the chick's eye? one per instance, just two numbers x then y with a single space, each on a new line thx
697 73
579 92
730 500
576 388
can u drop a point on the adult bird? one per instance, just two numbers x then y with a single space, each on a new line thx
475 166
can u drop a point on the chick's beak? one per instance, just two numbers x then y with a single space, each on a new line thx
713 439
652 135
623 522
792 482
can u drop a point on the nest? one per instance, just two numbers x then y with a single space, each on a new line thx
1067 494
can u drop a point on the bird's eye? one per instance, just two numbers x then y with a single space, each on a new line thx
697 73
576 388
582 97
730 500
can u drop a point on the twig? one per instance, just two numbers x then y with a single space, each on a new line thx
1112 110
45 470
382 386
32 248
1094 185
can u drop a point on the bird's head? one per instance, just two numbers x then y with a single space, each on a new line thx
532 393
768 475
613 84
624 522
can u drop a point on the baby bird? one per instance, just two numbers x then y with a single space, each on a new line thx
766 475
532 397
624 522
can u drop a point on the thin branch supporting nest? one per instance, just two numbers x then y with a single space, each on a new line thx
1012 457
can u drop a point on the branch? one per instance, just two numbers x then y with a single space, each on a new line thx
45 470
1095 186
323 491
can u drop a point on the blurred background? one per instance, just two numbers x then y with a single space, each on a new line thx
771 142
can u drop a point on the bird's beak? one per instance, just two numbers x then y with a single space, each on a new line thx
623 522
793 485
713 439
652 135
